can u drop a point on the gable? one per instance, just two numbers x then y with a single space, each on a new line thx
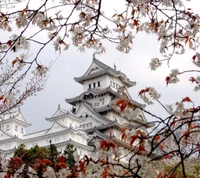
59 111
141 115
92 69
17 115
4 135
88 114
56 127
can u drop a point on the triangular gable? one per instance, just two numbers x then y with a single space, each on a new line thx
141 116
56 127
138 116
85 111
59 112
4 135
97 136
127 95
14 115
93 68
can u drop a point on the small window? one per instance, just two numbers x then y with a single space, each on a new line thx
22 130
16 128
94 85
114 85
99 84
89 86
111 83
7 128
102 100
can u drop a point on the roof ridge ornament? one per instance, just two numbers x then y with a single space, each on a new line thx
94 58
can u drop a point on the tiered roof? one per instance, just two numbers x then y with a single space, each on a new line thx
99 91
14 116
61 113
102 70
91 110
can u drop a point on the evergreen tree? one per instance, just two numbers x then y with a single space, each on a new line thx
53 153
68 153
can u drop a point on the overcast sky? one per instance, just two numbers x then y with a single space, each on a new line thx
135 65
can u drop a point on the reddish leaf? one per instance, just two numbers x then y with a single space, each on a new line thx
23 11
46 162
192 79
124 129
103 144
186 134
186 99
123 136
162 145
9 43
1 97
132 139
114 15
165 156
198 145
186 39
141 148
122 103
135 23
167 80
82 166
111 144
15 61
159 175
143 91
192 126
105 173
5 101
60 165
157 137
107 144
61 159
194 57
133 12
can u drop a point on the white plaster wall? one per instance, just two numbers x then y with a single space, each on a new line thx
115 80
68 122
89 120
114 116
56 138
10 144
116 133
13 131
95 80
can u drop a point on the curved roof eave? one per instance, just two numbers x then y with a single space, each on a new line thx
108 71
97 92
25 124
67 114
99 117
92 91
105 70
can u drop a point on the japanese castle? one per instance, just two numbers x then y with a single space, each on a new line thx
93 116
